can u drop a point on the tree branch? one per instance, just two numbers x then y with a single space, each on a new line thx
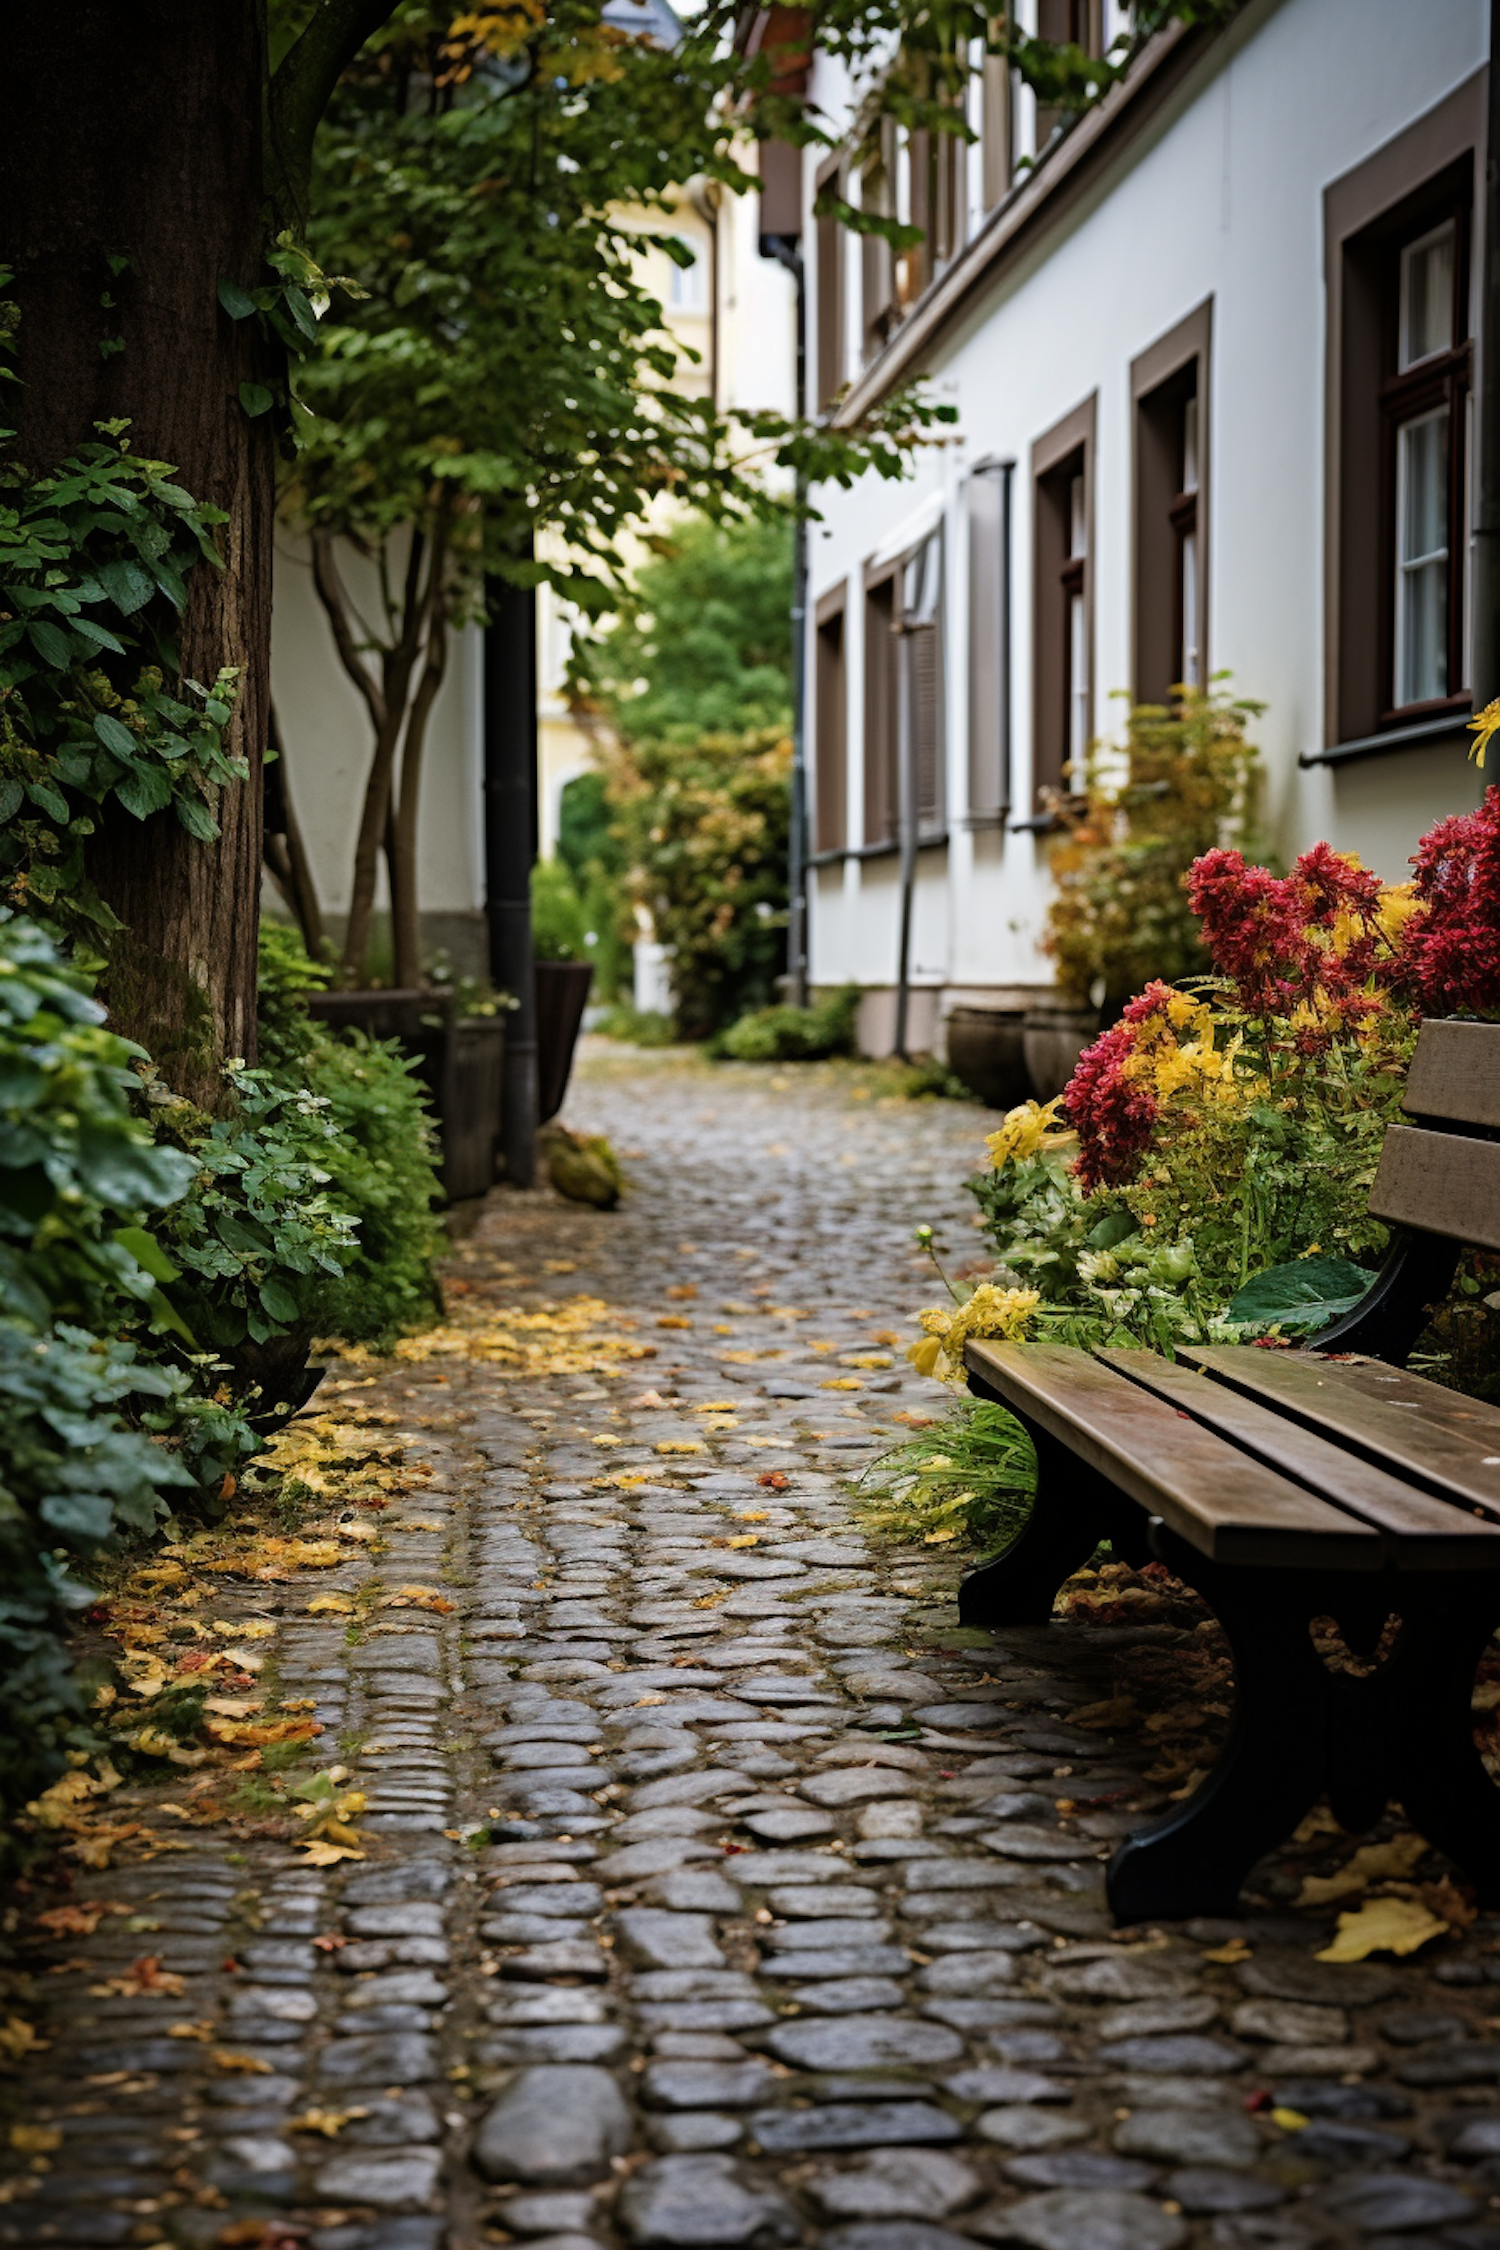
299 92
331 594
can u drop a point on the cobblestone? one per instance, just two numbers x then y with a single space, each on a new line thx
727 1895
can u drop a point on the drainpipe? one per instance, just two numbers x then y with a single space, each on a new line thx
510 847
786 251
1485 614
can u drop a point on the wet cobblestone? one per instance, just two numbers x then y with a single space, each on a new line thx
727 1894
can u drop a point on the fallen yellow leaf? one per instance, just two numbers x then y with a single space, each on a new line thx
324 2121
841 1383
753 1515
716 1406
1372 1863
1290 2120
232 2064
1228 1955
18 2039
326 1605
245 1629
680 1445
744 1539
35 2140
190 2030
320 1853
672 1320
1385 1925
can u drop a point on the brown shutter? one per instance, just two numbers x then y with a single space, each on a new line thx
880 711
989 641
830 719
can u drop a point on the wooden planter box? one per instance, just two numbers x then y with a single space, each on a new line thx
458 1060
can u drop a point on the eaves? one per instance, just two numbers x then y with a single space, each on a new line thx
1067 173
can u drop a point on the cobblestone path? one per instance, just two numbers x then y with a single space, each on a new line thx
789 1927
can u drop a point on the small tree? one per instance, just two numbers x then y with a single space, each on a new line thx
506 373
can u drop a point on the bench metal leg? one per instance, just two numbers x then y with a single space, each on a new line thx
1271 1771
1436 1772
1075 1508
1403 1733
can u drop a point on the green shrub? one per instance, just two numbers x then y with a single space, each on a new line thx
1119 914
638 1027
379 1156
795 1034
967 1480
73 1480
557 913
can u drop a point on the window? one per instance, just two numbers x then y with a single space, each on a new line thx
1425 414
830 723
989 498
1169 385
830 301
877 193
1398 242
1078 23
881 691
686 292
1062 686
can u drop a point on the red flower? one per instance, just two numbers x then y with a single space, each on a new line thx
1113 1114
1450 951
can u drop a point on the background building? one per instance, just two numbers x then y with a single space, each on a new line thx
1211 352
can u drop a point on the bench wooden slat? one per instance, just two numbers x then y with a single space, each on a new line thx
1215 1496
1444 1183
1455 1073
1446 1443
1426 1532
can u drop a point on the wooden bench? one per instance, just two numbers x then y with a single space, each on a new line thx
1286 1486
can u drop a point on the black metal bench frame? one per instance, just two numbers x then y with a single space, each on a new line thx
1278 1506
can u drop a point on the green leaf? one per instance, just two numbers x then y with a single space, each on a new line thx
116 738
197 819
98 634
1304 1295
82 1515
52 646
147 1252
166 1319
279 1303
237 302
11 797
144 790
127 585
256 399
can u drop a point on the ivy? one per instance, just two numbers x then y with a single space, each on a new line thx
94 562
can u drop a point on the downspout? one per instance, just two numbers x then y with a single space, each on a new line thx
1485 613
785 250
510 846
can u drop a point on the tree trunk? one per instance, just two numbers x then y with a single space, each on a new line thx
147 148
406 927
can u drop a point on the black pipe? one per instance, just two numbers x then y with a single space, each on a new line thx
1484 615
510 849
787 252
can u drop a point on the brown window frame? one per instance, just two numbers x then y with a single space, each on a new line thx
1162 379
1427 172
831 374
1061 453
831 721
1441 381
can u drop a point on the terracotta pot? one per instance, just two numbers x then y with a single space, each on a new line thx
986 1050
1054 1038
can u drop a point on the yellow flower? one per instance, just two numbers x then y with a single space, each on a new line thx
1398 900
1486 724
1005 1313
1023 1132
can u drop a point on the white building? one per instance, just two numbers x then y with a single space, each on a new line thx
735 313
1211 357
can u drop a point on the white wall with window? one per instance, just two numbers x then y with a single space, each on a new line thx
1211 213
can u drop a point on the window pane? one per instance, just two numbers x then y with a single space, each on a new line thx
1190 445
1190 609
1078 688
1422 559
1078 529
1427 296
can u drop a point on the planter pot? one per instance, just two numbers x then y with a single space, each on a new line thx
458 1060
986 1049
1053 1039
562 994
